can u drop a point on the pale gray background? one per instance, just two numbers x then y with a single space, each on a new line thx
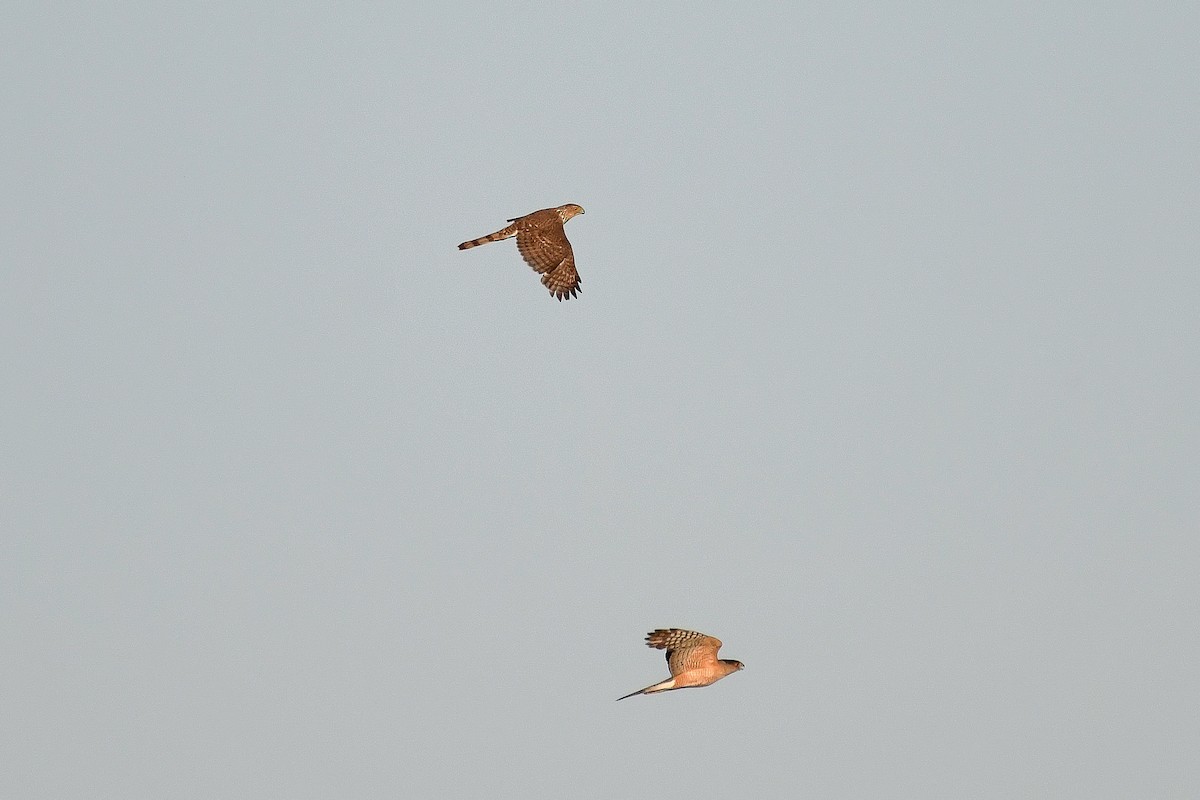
886 371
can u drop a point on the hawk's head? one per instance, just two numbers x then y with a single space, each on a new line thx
569 210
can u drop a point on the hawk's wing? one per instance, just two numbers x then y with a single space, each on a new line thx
563 281
686 650
544 246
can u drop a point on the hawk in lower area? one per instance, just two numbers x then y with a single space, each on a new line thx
544 246
692 658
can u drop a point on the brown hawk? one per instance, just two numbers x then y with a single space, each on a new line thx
544 246
692 658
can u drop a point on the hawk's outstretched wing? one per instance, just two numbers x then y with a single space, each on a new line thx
686 650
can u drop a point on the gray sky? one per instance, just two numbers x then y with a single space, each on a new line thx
886 371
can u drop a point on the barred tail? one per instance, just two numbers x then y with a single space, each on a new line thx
503 233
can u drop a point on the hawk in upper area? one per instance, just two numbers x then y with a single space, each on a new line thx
692 658
544 246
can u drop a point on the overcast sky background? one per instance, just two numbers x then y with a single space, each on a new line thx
886 371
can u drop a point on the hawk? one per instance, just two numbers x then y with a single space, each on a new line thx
692 658
544 246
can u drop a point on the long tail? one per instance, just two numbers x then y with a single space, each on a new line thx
662 686
503 233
